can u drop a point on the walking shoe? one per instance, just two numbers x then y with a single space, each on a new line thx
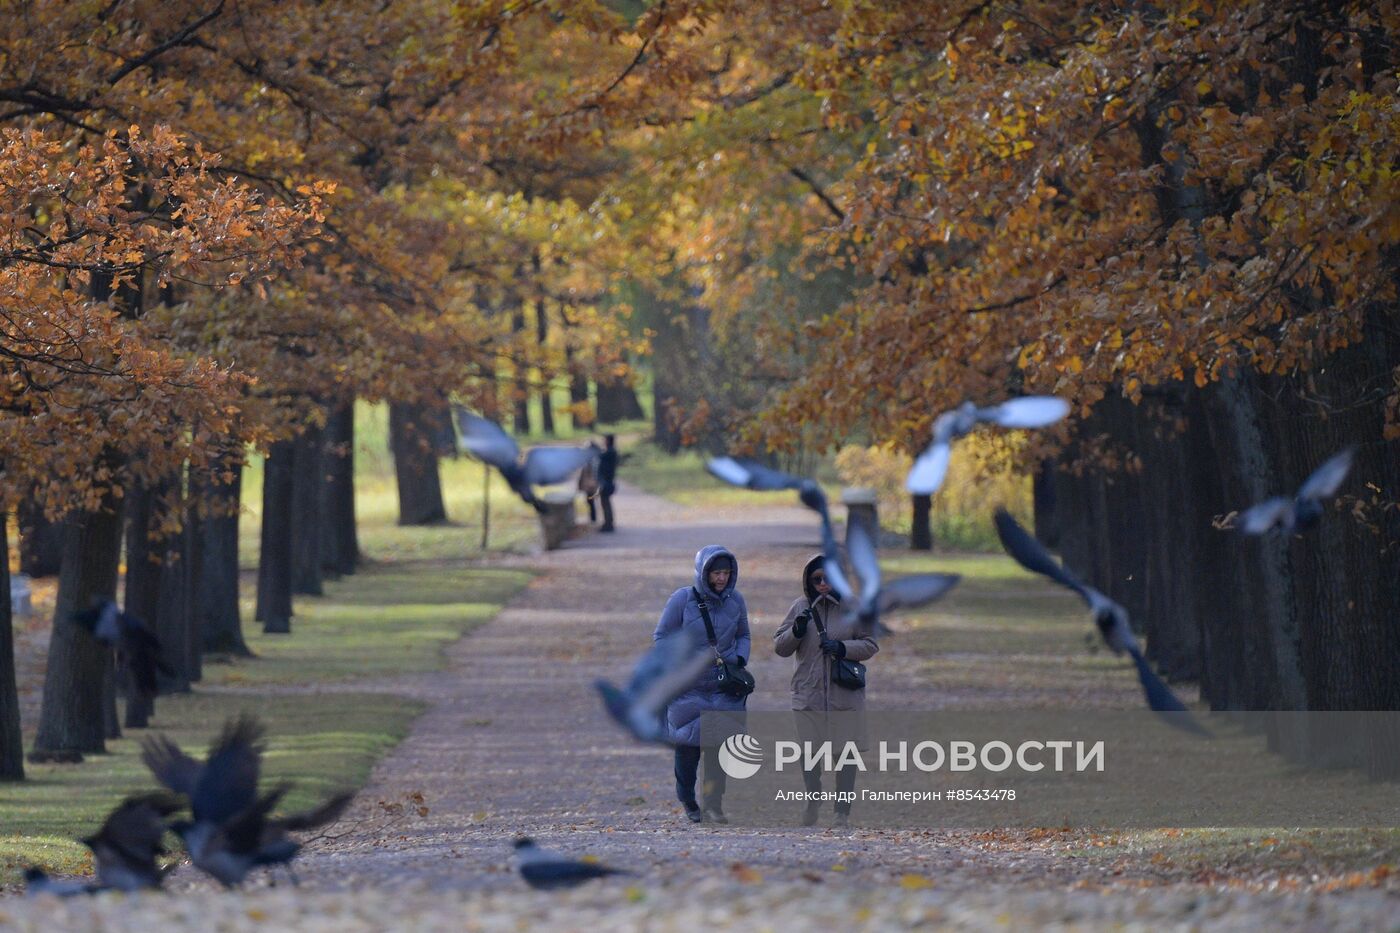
842 821
809 815
715 815
692 813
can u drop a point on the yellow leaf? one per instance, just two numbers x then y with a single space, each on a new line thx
1074 364
914 882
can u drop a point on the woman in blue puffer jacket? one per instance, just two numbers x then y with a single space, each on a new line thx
716 581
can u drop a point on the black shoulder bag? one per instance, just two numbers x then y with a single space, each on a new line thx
844 672
733 679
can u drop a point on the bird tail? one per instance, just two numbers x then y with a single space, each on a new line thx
327 812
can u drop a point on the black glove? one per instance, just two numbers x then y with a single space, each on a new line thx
837 649
799 624
742 662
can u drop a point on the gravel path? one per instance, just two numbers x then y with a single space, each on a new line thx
514 742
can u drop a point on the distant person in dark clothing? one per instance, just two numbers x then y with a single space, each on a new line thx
607 478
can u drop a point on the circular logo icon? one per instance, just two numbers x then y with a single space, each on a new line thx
741 756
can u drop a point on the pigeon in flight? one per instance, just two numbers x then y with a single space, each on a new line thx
138 650
546 870
876 598
750 474
124 850
1111 618
931 466
543 466
670 668
1305 509
231 833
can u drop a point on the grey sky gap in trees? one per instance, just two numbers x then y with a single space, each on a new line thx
1111 618
931 466
543 466
1304 510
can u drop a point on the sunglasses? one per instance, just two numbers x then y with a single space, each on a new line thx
818 578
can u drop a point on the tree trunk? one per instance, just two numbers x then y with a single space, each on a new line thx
415 466
72 718
617 401
172 626
546 402
40 542
142 592
220 626
520 395
340 547
921 533
194 581
274 606
307 479
11 743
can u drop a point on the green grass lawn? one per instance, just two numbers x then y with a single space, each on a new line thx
388 619
322 743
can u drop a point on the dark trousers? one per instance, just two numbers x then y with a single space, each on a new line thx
688 766
607 510
592 508
845 781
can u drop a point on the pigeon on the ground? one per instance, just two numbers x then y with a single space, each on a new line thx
546 870
138 650
670 668
931 466
543 466
875 599
1110 618
124 850
232 832
1305 509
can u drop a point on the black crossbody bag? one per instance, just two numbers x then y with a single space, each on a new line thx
733 679
844 672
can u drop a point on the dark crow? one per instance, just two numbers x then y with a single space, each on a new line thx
231 832
931 466
1111 618
1305 509
124 850
543 466
138 650
546 870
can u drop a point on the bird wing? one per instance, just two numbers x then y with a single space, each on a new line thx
860 546
229 782
1258 519
327 812
132 832
728 470
244 829
560 872
1160 698
917 590
1033 411
814 498
484 439
170 765
767 479
929 469
658 695
1029 554
545 466
1327 479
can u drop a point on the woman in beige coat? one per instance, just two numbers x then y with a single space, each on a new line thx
817 632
